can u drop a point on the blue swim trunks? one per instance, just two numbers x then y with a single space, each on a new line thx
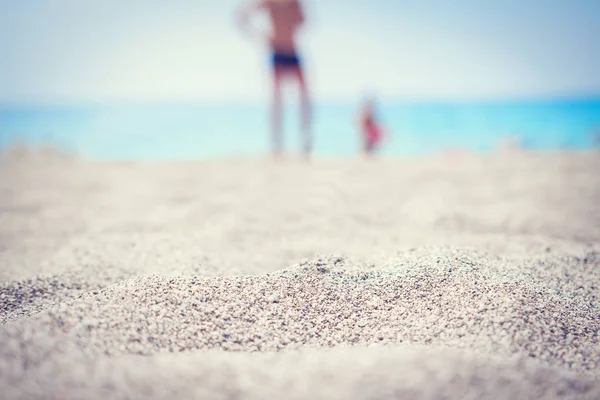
285 60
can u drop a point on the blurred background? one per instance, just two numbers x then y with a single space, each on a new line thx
176 80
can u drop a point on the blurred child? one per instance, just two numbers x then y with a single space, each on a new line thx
286 17
373 133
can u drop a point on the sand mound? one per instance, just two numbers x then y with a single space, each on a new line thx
447 300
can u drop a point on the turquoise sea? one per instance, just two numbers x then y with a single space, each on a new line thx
170 131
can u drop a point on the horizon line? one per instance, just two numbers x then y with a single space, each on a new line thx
325 100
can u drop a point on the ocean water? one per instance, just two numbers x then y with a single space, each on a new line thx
200 131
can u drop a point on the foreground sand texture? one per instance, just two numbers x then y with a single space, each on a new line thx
437 278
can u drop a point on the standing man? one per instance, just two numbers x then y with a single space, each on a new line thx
286 18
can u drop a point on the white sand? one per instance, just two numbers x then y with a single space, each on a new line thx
434 278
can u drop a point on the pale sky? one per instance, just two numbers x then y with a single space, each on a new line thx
55 51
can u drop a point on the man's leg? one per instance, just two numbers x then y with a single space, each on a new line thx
276 113
306 112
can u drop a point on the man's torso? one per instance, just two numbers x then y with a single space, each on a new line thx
286 16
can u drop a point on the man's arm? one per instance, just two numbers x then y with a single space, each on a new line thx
301 18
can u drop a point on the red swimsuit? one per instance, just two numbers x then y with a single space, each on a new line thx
373 134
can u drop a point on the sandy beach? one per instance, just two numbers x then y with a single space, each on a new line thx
435 278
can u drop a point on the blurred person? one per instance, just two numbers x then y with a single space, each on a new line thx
373 134
286 17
